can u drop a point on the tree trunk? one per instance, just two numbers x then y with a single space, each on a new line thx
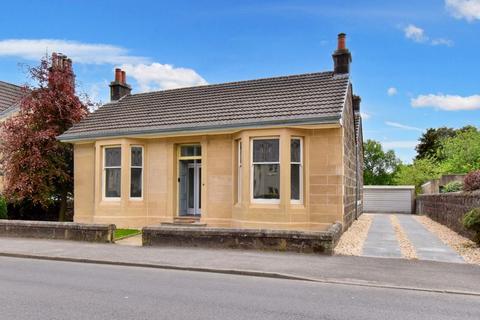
63 207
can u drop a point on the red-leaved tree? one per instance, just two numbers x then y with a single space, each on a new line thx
37 167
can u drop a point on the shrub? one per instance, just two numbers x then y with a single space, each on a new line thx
471 221
453 186
3 208
472 181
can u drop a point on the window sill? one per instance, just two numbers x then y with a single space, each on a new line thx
257 205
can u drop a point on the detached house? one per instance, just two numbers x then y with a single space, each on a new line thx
274 153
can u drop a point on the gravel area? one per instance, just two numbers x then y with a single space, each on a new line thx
463 246
406 247
351 242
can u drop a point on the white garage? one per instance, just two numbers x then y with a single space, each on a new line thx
388 199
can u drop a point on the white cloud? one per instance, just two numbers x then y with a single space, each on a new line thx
149 75
418 34
86 53
402 144
415 33
447 102
157 76
402 126
464 9
441 42
365 115
392 91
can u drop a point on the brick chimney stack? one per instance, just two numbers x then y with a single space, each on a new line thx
62 62
119 87
356 103
341 57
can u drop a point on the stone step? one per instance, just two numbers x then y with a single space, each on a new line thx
183 224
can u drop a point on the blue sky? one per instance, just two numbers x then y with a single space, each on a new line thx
415 63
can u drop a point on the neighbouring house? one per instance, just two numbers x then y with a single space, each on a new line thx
273 153
10 98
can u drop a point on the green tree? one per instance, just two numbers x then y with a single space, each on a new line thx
431 141
461 153
417 173
379 166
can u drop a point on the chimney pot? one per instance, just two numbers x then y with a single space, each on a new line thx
118 75
124 77
341 41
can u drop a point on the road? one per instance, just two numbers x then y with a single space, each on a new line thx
36 289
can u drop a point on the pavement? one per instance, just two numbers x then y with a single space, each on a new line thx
413 275
41 290
382 241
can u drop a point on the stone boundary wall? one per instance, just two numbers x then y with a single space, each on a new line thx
449 208
57 230
272 240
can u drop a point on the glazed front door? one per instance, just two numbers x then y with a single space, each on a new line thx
194 193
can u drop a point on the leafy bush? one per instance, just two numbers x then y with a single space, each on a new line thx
453 186
3 208
417 173
471 221
472 181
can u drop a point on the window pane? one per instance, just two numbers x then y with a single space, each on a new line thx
295 181
266 150
136 182
295 151
112 183
240 152
190 151
136 156
266 181
113 157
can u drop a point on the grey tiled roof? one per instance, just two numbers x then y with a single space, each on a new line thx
305 98
10 94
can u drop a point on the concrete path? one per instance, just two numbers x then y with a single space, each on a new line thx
362 271
135 241
427 245
382 241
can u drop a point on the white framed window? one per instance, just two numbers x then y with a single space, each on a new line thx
296 170
136 172
112 167
265 173
239 171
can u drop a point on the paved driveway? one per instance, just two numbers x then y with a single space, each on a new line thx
382 240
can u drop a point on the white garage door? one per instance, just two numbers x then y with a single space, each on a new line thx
388 199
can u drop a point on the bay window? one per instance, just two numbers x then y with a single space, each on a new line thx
266 170
112 172
136 171
296 170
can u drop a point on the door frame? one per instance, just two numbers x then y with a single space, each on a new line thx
178 160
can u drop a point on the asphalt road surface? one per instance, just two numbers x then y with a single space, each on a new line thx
35 289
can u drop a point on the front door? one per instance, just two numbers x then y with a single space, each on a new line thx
190 180
194 182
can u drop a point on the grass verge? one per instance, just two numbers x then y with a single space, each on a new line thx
123 233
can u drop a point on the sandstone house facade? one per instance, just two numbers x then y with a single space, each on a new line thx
274 153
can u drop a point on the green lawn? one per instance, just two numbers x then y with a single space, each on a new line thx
120 233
